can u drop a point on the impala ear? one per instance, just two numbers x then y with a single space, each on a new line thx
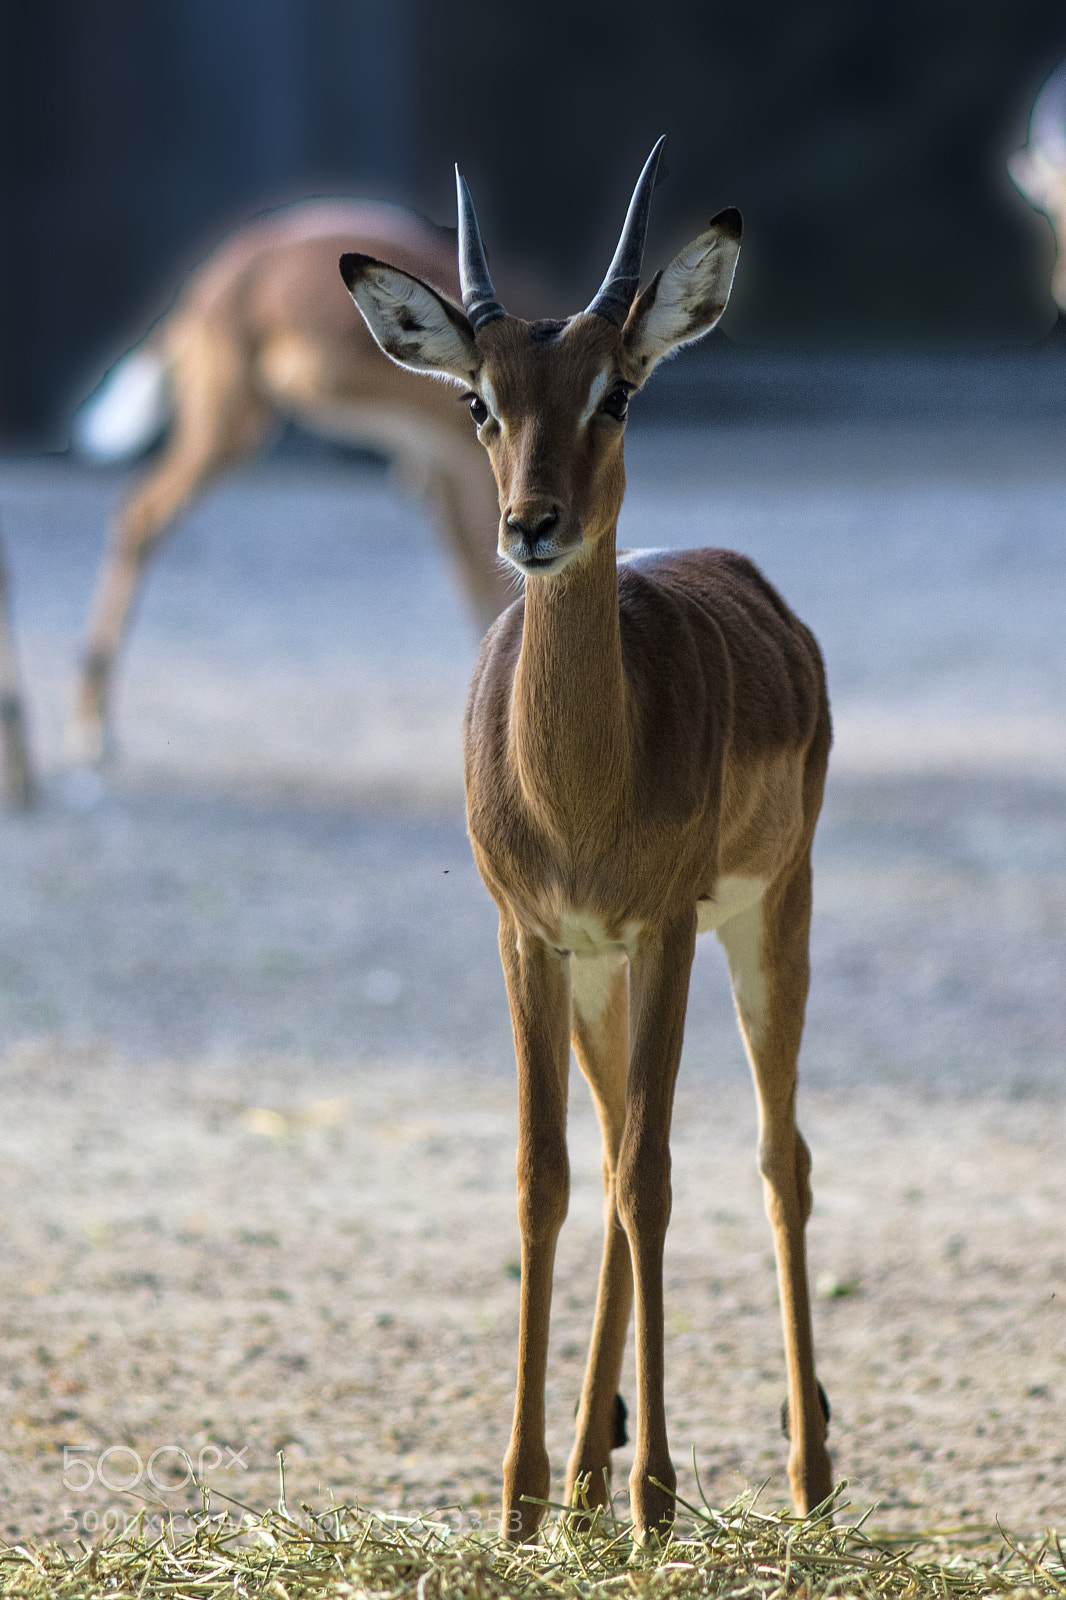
411 322
684 302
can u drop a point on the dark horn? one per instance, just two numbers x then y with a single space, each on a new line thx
618 290
1047 124
479 297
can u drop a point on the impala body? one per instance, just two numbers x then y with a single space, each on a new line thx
263 330
645 748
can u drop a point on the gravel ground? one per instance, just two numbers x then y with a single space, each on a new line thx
257 1184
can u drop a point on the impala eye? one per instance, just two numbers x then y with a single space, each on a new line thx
616 404
478 409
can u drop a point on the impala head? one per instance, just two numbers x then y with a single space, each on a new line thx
1039 168
549 399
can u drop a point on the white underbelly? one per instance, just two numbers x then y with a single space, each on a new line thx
596 958
731 896
584 934
393 430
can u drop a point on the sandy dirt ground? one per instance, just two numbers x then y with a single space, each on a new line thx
256 1156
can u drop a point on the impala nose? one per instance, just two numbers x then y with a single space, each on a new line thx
533 525
533 534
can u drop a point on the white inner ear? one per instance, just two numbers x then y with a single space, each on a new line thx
411 325
691 296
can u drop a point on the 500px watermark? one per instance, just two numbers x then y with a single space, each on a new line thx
117 1521
120 1469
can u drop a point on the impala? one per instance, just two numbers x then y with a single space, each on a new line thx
1039 169
263 330
645 747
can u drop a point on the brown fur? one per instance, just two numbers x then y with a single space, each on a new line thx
262 330
636 735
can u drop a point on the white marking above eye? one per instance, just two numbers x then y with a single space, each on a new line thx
597 390
488 394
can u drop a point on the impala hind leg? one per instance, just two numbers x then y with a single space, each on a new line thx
539 997
767 947
217 420
600 993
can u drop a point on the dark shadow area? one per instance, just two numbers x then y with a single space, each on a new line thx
865 145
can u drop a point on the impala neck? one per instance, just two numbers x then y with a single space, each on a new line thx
570 726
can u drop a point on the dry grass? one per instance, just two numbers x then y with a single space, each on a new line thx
348 1551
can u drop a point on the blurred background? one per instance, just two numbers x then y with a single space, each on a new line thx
251 1015
865 145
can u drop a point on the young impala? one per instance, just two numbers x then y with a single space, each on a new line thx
646 742
263 330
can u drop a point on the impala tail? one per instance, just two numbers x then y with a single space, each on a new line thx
128 412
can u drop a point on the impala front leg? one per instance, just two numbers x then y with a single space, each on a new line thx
600 996
658 997
538 990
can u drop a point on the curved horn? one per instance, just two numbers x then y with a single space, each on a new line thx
1047 123
479 297
618 289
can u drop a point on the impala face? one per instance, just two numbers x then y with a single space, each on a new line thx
550 407
549 399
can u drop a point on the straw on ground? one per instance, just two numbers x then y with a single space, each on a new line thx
738 1553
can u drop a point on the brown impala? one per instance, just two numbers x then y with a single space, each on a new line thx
646 743
263 330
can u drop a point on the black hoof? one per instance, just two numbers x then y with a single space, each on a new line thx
621 1437
826 1413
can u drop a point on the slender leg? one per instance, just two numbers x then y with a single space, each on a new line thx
539 994
658 996
20 785
767 948
600 991
217 419
467 504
